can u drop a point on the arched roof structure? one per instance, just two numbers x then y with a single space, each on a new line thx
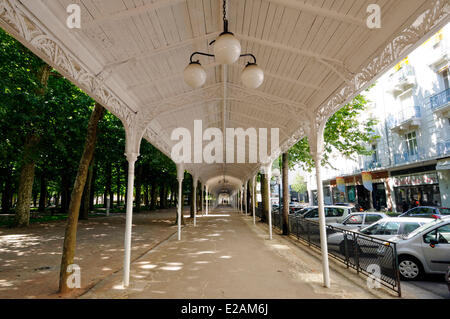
130 57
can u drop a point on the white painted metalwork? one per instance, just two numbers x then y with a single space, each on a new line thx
180 177
195 178
122 47
131 157
254 199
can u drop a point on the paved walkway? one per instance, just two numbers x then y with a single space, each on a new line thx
226 256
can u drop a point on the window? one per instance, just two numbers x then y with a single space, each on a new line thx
372 230
388 228
375 153
441 235
334 212
424 211
421 212
314 213
391 228
409 227
446 78
354 220
411 143
372 218
412 212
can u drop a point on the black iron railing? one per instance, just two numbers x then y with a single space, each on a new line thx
372 257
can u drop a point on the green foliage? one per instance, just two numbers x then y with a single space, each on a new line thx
299 184
344 132
60 118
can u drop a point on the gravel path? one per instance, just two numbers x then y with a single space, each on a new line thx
30 258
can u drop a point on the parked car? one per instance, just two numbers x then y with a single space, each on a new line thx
384 229
294 209
300 211
427 211
425 250
447 278
359 220
333 214
356 206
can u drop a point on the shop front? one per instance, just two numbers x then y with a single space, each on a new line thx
351 189
417 190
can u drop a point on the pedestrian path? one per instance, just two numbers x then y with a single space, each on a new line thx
225 256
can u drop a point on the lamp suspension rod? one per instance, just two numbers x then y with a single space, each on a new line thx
199 53
212 55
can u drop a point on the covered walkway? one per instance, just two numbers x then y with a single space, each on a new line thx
226 256
131 58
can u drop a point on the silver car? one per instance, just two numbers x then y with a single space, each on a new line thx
425 250
383 229
333 214
359 220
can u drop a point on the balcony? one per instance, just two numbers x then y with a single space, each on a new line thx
402 80
407 120
440 103
407 158
443 149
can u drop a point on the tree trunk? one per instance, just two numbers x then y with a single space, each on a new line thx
161 196
85 201
191 199
43 192
64 193
57 200
174 196
200 196
109 188
138 186
24 194
118 185
265 198
92 192
74 209
146 199
285 178
7 191
153 197
35 195
22 218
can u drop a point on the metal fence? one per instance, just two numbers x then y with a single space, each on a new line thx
369 256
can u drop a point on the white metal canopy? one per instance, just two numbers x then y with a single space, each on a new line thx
129 55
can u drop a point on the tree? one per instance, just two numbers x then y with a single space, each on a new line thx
74 208
285 179
344 133
24 79
299 184
265 202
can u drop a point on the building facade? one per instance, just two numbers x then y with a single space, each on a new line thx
411 160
